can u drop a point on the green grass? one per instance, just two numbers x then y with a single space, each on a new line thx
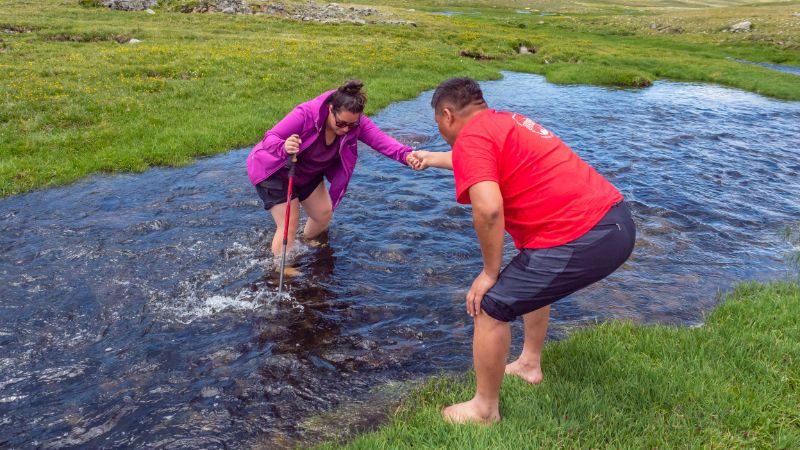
75 101
732 383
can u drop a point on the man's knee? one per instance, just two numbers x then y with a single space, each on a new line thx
490 324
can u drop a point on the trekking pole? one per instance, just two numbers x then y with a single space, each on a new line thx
286 222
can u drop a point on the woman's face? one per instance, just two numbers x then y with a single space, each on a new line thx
342 121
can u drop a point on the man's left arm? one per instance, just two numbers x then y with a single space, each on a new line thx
489 223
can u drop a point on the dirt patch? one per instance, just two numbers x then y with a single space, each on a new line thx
64 37
14 29
475 54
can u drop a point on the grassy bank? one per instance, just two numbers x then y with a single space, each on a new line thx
732 383
78 100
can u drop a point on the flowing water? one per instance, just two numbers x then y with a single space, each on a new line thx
139 311
794 70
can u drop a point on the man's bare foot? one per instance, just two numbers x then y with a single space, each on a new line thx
470 412
532 373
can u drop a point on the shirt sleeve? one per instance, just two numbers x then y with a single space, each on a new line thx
474 160
293 123
370 134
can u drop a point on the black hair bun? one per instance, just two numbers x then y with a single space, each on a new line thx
351 87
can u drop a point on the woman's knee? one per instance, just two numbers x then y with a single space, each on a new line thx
323 215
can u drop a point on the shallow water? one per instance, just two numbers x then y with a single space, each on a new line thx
794 70
138 311
455 13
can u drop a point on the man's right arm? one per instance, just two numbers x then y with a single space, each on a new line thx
440 160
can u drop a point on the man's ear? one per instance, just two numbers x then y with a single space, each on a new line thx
448 115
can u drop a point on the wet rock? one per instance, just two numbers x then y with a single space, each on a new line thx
208 392
223 357
130 5
457 211
409 333
367 344
741 27
336 357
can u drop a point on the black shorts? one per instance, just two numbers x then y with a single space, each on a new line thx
536 278
273 190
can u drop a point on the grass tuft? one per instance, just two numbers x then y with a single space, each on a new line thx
733 382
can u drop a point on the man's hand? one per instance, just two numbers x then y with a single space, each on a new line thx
441 160
420 156
292 145
480 287
414 161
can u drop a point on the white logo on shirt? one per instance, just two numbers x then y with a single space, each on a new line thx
531 125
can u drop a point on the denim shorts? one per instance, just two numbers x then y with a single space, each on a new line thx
274 189
536 278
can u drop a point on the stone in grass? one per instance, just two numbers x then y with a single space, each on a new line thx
130 5
740 27
524 50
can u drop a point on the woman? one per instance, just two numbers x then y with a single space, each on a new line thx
323 133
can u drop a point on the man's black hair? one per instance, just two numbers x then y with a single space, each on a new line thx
459 93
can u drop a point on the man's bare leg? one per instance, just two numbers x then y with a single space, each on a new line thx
529 364
490 344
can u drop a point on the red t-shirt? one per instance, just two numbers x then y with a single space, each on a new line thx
550 195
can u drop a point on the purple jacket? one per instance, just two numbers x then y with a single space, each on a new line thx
308 121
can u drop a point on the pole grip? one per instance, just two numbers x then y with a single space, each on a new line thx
291 166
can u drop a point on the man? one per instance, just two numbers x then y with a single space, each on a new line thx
569 223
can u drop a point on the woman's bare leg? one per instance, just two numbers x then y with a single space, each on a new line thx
279 215
319 209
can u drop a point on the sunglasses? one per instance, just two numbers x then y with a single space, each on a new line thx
343 124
